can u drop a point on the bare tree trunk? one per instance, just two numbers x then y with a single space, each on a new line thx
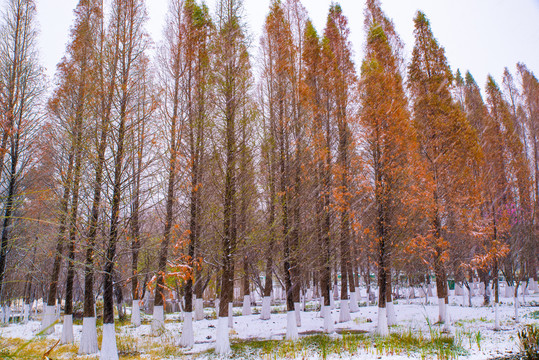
64 206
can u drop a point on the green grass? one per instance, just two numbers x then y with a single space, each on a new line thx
442 346
533 315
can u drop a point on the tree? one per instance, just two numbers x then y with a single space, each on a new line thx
71 104
447 144
232 79
391 146
342 79
508 199
21 91
530 112
278 71
127 30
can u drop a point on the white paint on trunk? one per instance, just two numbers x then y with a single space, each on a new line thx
329 325
246 309
222 342
353 302
265 313
291 326
391 317
187 339
297 311
441 310
447 323
158 319
217 301
344 313
109 351
496 317
516 305
47 324
321 303
381 328
135 313
230 316
67 330
331 300
88 339
199 309
26 313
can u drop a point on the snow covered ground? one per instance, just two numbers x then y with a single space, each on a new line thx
473 326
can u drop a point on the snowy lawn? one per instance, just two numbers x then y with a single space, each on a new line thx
417 335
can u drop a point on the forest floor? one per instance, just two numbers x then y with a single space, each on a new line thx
416 335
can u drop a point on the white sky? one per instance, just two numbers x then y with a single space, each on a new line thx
482 36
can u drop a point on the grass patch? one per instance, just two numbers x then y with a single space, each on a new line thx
442 346
533 315
129 347
36 348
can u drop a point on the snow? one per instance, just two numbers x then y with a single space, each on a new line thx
413 315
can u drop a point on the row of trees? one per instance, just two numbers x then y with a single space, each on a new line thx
201 171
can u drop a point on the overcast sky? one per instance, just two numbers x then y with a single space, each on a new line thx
482 36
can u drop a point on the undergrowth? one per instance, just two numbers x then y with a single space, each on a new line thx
441 346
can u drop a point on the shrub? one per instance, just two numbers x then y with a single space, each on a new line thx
529 341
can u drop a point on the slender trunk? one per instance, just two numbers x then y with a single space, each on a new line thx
108 302
135 224
192 237
64 206
268 286
74 213
229 209
106 106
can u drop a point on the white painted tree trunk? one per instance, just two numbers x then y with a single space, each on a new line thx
516 306
441 310
217 301
67 330
391 317
291 326
447 322
222 342
135 313
88 339
26 313
246 309
297 311
329 326
47 326
353 302
109 351
187 339
158 319
321 304
199 309
7 314
496 317
265 313
230 316
381 328
344 313
331 300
